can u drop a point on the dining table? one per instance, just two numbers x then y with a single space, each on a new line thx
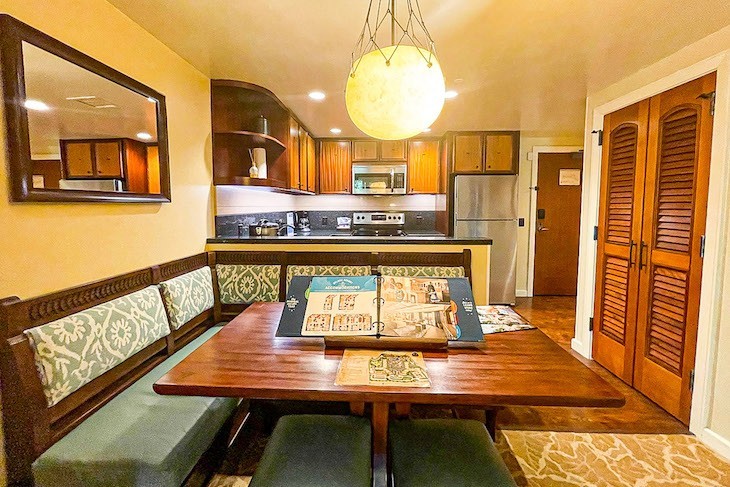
246 359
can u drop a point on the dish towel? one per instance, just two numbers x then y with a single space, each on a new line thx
498 319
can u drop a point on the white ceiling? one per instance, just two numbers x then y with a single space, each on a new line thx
525 65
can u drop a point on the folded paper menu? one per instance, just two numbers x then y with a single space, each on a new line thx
382 368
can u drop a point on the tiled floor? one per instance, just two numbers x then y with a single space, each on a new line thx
555 316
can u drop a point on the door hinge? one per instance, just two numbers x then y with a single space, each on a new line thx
600 136
590 323
702 246
692 380
595 233
712 96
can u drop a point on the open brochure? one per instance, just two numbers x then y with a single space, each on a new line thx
409 307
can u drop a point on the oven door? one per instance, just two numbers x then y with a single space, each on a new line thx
378 179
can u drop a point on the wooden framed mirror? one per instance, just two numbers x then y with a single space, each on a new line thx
77 129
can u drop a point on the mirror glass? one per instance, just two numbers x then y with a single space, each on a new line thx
87 132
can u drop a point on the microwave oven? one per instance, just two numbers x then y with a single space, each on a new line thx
379 178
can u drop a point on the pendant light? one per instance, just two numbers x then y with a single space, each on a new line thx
397 91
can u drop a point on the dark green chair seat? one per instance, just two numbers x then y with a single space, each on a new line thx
312 450
445 453
139 438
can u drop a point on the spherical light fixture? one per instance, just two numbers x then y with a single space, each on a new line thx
395 100
393 92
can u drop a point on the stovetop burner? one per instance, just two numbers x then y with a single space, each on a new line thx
378 232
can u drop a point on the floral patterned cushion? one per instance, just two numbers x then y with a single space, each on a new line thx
244 284
420 271
187 296
74 350
325 270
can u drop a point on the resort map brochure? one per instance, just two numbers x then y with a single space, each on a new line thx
382 368
409 307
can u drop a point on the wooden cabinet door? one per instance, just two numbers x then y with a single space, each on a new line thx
78 159
365 150
393 150
303 159
677 177
423 167
108 157
468 152
499 154
293 150
619 233
335 167
311 165
136 167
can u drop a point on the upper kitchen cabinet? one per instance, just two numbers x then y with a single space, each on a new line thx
424 168
364 150
335 167
393 150
483 152
245 117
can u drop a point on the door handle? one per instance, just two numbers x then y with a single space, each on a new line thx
642 246
541 228
632 261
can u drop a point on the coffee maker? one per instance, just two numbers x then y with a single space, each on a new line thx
302 222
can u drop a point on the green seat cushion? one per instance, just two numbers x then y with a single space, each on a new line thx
73 351
311 450
139 438
248 283
420 271
187 296
325 270
445 453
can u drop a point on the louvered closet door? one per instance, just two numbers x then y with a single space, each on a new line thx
619 231
677 176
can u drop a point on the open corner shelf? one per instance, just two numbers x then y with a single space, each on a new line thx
251 140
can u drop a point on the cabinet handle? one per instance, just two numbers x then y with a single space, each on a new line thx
632 261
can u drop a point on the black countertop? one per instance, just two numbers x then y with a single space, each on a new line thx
344 237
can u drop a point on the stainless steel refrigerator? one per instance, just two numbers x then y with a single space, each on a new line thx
486 207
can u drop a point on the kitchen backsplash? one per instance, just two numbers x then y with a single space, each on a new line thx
227 225
231 200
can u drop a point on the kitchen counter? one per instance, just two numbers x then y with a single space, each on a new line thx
344 237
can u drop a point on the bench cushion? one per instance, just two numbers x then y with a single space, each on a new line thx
187 296
248 283
311 450
139 438
325 270
444 453
74 350
420 271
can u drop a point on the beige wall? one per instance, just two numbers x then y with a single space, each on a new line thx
45 247
711 408
527 142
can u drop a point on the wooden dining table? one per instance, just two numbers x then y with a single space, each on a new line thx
247 360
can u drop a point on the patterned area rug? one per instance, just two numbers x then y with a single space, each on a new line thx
607 460
498 319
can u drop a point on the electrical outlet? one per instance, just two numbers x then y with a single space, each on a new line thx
325 220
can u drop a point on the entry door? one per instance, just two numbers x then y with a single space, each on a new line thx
619 234
558 224
677 177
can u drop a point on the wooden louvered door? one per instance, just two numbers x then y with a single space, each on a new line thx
677 177
619 233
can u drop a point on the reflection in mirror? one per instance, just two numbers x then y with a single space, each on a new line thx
87 132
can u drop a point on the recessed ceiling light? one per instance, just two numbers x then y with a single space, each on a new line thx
317 95
144 136
427 129
450 94
336 131
36 105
